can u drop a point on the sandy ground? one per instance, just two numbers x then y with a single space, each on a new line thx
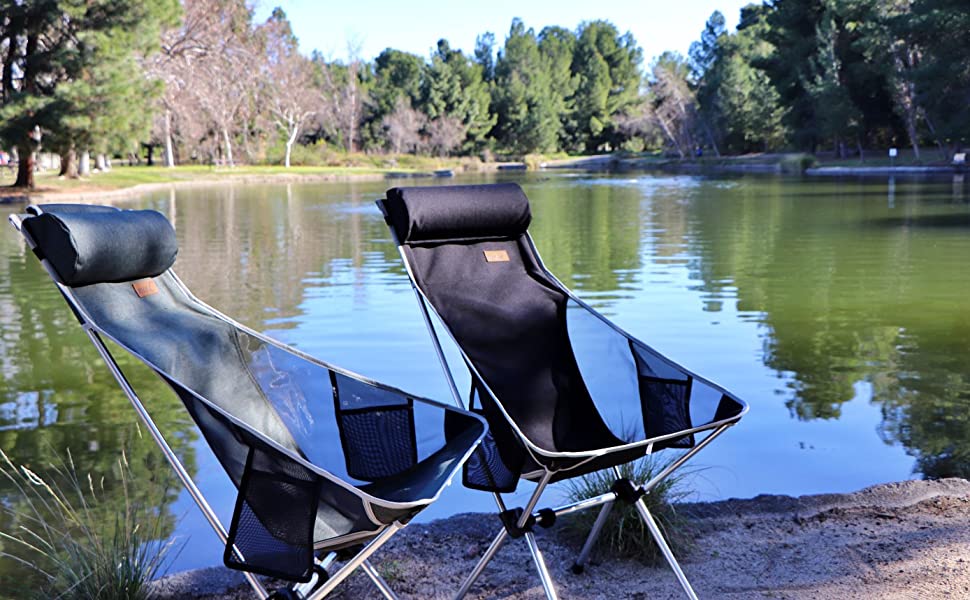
907 540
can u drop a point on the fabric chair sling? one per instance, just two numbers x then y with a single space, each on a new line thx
565 391
323 459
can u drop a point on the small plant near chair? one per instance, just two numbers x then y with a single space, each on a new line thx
71 534
625 535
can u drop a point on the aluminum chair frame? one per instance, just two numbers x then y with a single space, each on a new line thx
322 582
529 516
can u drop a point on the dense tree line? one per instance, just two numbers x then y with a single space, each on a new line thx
200 80
844 75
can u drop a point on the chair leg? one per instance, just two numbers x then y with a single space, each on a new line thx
547 585
355 562
492 549
379 582
664 547
594 534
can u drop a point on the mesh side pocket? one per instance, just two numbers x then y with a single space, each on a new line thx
378 442
486 469
272 526
664 403
376 429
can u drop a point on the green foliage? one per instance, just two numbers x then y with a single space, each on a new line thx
625 535
607 66
738 95
81 81
454 88
523 96
941 29
70 533
814 74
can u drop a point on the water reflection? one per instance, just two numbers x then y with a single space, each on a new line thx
833 306
853 290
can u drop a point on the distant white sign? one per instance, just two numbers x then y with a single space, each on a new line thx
893 152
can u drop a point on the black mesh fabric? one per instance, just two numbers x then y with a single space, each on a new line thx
264 539
376 430
665 409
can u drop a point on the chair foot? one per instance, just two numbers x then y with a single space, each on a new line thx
594 535
577 569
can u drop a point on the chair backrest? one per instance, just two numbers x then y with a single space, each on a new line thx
117 263
470 255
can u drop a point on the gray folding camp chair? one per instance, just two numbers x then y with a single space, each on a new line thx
323 459
565 391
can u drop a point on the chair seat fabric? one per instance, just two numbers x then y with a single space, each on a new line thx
470 255
322 459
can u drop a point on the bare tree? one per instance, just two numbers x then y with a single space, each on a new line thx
287 85
674 105
639 121
445 134
403 127
182 49
341 97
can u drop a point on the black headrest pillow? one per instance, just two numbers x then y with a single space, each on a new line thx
457 212
93 245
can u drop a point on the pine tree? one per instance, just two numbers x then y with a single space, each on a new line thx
79 79
454 88
522 95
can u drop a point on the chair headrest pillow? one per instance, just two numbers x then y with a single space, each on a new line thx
457 212
93 245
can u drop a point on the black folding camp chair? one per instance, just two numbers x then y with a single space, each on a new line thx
565 391
323 459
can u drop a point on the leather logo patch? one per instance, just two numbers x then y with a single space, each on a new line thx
496 256
145 287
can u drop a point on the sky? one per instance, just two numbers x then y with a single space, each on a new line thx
416 25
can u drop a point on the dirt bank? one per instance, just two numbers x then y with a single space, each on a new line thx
907 540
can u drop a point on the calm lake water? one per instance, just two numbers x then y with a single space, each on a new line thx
840 310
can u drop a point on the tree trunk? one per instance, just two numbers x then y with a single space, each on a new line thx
670 135
84 167
6 83
25 167
289 144
101 163
228 144
710 136
69 164
936 138
151 154
169 155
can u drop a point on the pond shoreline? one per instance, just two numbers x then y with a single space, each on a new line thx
768 164
126 193
890 540
595 164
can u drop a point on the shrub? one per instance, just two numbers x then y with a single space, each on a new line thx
625 535
77 541
797 163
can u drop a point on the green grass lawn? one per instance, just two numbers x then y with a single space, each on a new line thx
124 176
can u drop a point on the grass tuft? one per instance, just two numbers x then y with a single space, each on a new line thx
72 535
625 535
